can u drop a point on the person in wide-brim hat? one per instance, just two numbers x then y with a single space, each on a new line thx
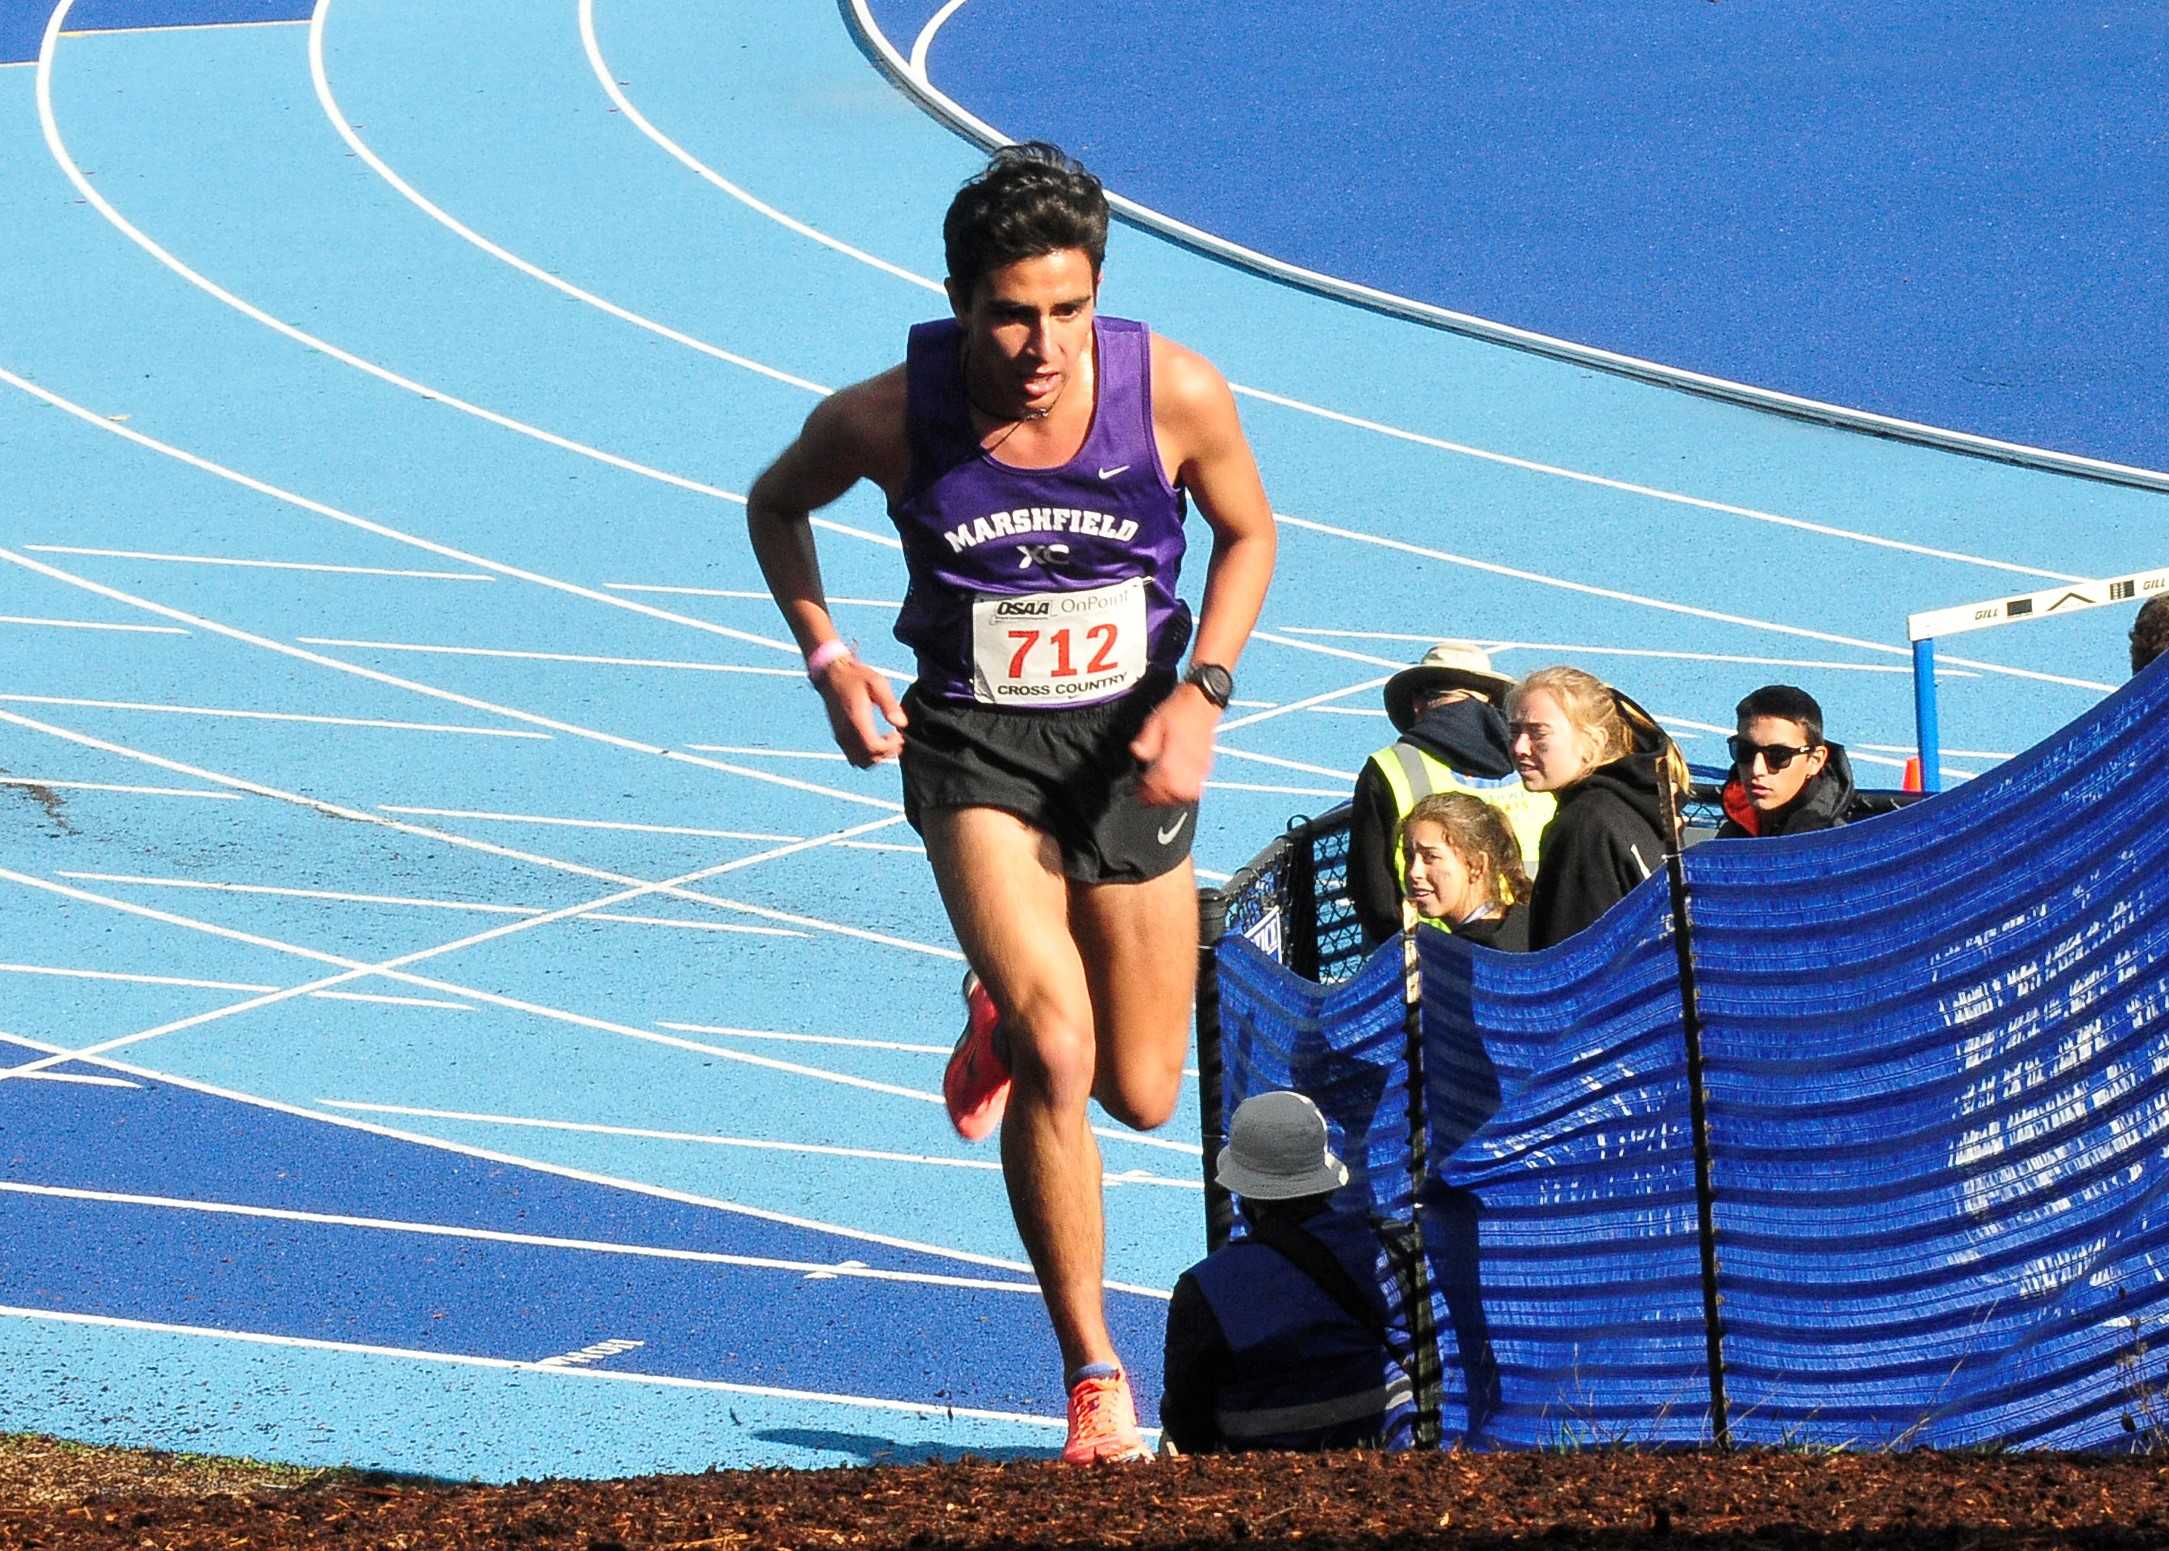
1448 665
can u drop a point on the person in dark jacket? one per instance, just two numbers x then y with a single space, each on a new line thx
1464 870
1453 739
2149 633
1786 780
1282 1339
1575 736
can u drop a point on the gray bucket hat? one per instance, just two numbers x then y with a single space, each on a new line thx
1278 1150
1448 665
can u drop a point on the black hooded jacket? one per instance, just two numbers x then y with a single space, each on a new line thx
1822 803
1469 737
1607 836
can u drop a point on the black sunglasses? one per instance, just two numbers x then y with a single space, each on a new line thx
1775 756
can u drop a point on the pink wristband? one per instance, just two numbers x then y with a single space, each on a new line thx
820 657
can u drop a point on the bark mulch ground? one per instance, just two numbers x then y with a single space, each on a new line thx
1601 1498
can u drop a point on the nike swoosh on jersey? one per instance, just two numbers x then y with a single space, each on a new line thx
1117 469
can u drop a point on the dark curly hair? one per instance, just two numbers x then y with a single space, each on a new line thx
1031 199
2150 632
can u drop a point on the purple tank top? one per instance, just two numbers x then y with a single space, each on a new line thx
1035 588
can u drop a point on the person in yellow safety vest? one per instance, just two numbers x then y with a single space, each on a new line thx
1453 739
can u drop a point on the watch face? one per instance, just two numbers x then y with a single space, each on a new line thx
1217 683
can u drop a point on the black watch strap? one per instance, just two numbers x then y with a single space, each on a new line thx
1214 682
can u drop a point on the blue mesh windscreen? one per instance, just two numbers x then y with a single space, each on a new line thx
1936 1054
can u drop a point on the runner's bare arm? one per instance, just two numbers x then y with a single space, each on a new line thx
841 443
1201 437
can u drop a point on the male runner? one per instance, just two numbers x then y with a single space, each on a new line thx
1037 458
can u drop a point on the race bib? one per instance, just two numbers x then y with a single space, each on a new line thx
1058 648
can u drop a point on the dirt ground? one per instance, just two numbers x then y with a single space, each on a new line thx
61 1498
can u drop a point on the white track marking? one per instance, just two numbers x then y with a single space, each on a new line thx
750 595
264 565
526 656
565 1171
271 716
845 1269
1641 600
649 1134
1910 750
109 786
89 624
740 748
470 702
973 128
808 1039
1282 791
292 893
925 41
468 842
1576 649
217 985
165 27
248 482
483 815
376 164
66 162
1194 237
930 1409
738 927
394 968
1308 703
1284 764
1378 712
81 1078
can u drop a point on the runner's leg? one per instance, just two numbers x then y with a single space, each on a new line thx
1138 942
1009 905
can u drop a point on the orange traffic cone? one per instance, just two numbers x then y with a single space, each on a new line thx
1912 782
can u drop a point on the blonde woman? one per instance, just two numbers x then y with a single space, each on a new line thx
1465 871
1573 735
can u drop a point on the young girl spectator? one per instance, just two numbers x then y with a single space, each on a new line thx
1575 736
1465 870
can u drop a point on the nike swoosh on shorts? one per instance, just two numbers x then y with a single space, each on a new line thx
1167 835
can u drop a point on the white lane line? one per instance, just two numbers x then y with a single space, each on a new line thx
265 565
565 1171
750 594
470 702
216 985
925 41
930 1410
1642 600
82 1078
1378 712
1285 764
1300 406
338 895
757 753
66 162
322 80
109 786
248 482
846 1268
486 816
88 624
165 27
353 969
649 1134
1579 649
394 969
468 842
1910 750
524 656
738 927
271 716
1280 791
842 1040
1307 703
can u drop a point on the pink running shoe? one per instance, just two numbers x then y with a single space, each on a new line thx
1103 1424
976 1085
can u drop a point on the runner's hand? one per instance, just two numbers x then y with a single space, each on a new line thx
1175 746
852 692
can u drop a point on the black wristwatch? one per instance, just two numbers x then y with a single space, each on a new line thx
1214 682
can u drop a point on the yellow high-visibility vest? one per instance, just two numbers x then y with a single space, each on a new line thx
1411 774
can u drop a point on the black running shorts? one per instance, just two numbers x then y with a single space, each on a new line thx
1067 772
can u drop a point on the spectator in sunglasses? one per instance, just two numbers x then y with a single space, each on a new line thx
1573 735
1785 778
